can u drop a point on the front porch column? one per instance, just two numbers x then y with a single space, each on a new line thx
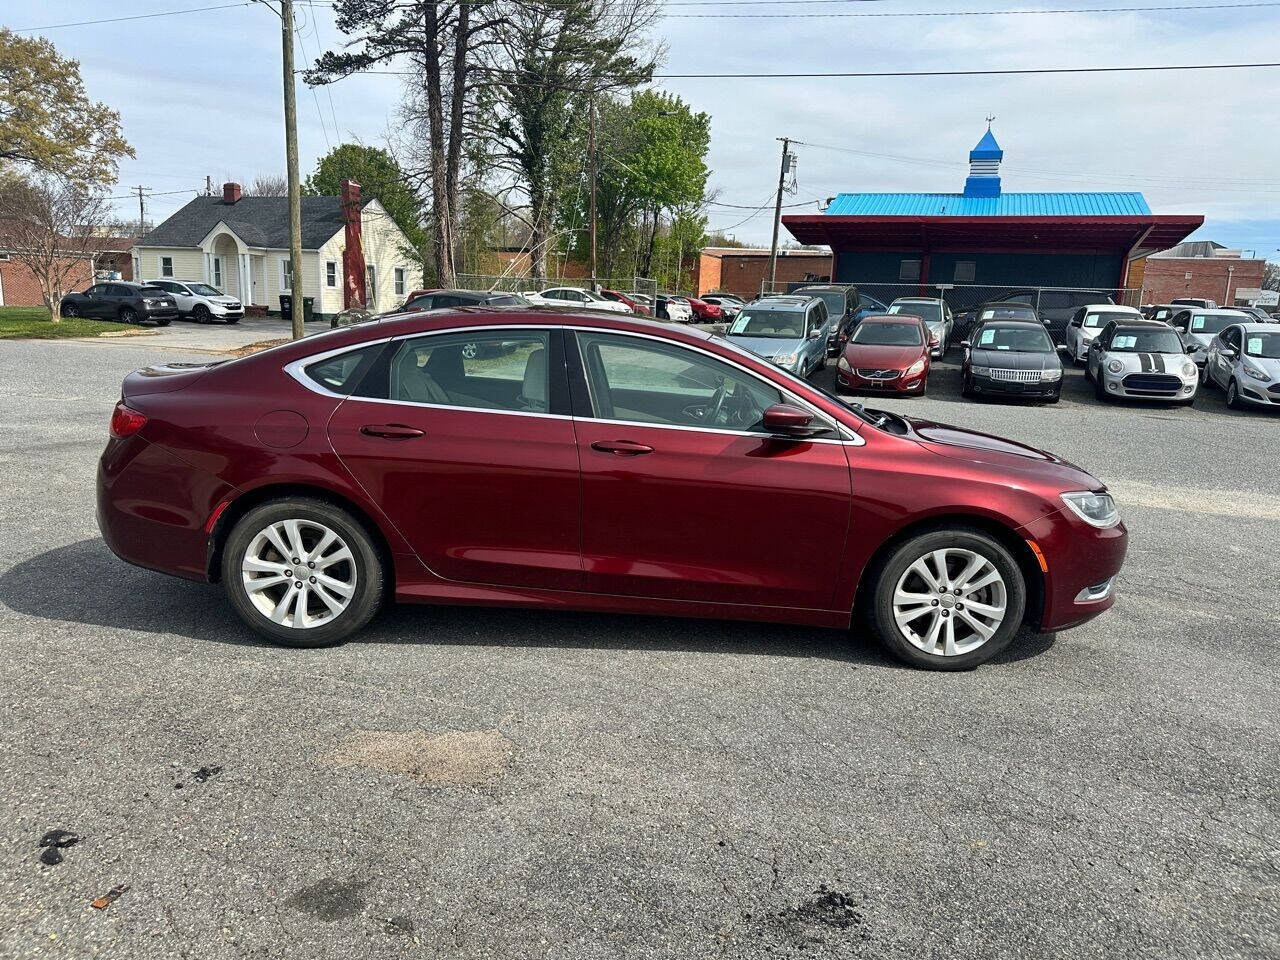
246 281
208 267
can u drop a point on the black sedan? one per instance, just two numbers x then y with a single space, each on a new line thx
123 301
1012 358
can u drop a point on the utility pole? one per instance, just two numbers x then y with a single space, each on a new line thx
142 210
208 186
591 153
777 213
291 164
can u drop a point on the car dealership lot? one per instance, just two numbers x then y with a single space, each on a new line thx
587 786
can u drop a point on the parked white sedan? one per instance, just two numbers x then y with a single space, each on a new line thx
201 302
576 297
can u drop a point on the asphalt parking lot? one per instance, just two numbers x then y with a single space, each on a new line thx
480 783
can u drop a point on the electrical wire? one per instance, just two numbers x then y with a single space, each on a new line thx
967 13
136 16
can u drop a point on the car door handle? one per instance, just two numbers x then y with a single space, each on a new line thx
391 431
621 448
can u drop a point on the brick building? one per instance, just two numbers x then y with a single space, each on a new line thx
20 288
1197 269
742 270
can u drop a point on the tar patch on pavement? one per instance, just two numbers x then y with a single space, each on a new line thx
205 773
825 909
458 759
54 842
400 924
330 899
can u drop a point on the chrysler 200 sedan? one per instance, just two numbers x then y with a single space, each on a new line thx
596 463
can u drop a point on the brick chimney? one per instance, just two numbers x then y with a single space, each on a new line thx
353 270
230 193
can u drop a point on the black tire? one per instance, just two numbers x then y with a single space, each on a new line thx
1205 379
231 320
1100 392
200 314
367 563
886 578
69 310
1233 395
128 315
966 388
163 323
1054 399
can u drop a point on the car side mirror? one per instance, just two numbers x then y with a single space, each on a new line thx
933 341
813 334
966 344
1227 353
788 420
1064 349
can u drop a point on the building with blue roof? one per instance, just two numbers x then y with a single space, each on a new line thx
984 236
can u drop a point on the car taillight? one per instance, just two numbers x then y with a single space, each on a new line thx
126 422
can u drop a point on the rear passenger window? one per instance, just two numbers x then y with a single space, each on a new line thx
484 370
342 374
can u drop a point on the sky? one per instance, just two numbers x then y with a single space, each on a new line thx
200 95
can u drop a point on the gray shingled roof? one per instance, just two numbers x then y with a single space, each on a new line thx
258 221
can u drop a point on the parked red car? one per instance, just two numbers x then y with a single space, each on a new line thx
887 352
619 297
704 312
592 462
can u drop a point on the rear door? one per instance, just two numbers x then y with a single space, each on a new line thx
464 440
685 496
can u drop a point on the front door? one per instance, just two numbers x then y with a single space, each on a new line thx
463 439
685 497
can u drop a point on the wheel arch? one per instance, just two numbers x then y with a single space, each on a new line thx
242 504
1002 533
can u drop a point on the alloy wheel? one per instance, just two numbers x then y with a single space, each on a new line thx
298 573
949 602
69 310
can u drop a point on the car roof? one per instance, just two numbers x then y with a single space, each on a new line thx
917 300
1257 326
821 286
784 301
1140 324
1006 305
890 318
1014 324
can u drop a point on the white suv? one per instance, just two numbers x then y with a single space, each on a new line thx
201 302
576 297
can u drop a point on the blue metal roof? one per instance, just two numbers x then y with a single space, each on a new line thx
987 148
1005 205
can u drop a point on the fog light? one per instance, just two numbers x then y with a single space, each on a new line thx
1096 592
1113 387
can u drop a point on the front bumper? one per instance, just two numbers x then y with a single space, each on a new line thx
849 379
1115 387
1040 389
1256 393
1082 563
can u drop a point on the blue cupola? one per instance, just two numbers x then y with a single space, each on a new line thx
984 168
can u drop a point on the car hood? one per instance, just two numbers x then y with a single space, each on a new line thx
958 443
1148 362
769 347
1011 360
1270 364
223 299
870 355
1197 339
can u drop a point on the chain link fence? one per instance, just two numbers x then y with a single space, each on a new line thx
1054 305
517 284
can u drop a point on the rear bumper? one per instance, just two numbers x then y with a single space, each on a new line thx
152 507
1080 560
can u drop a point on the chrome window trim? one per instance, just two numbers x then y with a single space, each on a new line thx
296 370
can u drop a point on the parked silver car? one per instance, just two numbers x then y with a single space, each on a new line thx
791 331
1244 359
1141 360
1198 328
936 315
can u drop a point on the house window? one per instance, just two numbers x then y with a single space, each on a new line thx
3 257
399 275
966 270
166 266
909 270
370 284
286 274
330 273
217 272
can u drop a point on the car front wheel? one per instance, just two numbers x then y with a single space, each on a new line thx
69 310
200 314
302 572
948 599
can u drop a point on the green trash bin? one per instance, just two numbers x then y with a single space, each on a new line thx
308 309
286 307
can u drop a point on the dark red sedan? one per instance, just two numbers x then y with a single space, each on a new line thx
589 462
889 352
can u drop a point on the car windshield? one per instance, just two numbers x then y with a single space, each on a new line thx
204 290
925 311
1133 340
1008 313
506 300
779 324
1212 322
1265 345
887 334
834 299
1014 339
592 295
1094 320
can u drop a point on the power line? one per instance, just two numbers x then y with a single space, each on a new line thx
962 73
136 16
959 13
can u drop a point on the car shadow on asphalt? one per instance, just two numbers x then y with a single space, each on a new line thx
106 592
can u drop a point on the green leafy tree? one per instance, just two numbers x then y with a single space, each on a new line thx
380 178
48 122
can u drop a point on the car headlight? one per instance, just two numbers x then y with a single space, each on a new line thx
1054 374
785 359
1095 509
1254 372
843 365
917 367
980 371
1115 366
1189 369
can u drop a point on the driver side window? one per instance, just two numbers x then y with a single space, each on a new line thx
644 381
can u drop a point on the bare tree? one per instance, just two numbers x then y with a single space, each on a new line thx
54 227
271 185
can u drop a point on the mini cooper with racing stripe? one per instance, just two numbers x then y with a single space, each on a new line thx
1141 360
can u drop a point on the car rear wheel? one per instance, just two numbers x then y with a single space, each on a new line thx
128 315
948 599
302 572
200 314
